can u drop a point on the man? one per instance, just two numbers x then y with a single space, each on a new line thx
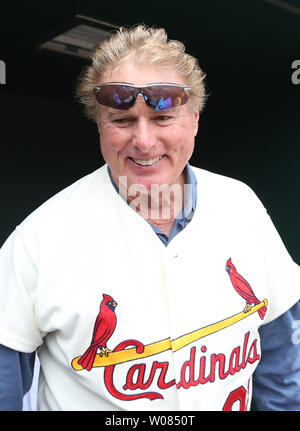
145 285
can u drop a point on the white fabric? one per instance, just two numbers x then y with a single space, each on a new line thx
86 242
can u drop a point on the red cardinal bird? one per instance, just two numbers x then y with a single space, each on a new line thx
103 329
244 289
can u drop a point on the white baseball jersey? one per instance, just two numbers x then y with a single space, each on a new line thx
122 322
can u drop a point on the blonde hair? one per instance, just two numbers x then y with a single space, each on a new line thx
144 45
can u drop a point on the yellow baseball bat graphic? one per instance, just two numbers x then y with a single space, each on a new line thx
131 354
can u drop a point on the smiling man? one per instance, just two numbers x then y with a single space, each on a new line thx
149 146
120 281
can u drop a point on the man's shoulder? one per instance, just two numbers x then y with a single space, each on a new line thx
71 198
221 188
207 177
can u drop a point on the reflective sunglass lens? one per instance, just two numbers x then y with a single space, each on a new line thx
158 97
115 96
161 98
160 103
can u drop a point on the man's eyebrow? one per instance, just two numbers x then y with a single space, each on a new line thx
114 113
111 115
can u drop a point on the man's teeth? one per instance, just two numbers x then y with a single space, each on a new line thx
148 162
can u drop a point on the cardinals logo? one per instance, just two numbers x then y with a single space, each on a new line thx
244 289
216 366
103 329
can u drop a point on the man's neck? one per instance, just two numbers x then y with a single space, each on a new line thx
161 213
161 204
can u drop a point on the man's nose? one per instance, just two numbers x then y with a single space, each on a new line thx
144 138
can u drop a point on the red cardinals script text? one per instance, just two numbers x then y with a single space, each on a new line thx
196 370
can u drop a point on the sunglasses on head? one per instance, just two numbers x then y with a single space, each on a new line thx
158 96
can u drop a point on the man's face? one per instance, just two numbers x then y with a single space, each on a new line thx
163 138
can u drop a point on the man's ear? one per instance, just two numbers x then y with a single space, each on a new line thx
196 116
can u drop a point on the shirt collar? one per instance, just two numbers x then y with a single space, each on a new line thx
190 192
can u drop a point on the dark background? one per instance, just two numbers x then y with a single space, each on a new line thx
250 128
